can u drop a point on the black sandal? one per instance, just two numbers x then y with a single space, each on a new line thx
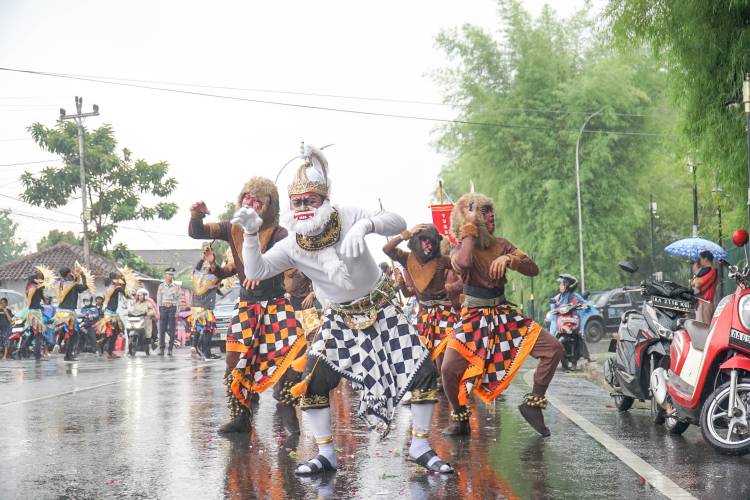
317 465
425 458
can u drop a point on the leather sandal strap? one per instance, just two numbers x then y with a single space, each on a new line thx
316 465
426 461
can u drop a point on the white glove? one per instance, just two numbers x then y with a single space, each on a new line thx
354 241
248 218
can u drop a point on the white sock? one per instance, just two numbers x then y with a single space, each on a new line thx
320 422
421 423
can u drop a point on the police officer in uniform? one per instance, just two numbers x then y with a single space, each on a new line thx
167 298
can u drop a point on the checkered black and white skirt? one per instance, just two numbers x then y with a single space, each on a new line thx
435 324
495 341
380 360
272 338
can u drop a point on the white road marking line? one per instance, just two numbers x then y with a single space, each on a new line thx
662 483
76 390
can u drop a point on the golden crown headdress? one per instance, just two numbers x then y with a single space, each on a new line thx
312 174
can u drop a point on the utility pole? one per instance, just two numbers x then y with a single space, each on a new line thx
78 118
652 211
578 197
532 305
746 102
693 169
719 192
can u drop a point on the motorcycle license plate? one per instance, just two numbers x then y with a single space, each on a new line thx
739 339
613 345
674 304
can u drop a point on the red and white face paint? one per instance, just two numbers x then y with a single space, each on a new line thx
489 217
249 200
426 245
304 205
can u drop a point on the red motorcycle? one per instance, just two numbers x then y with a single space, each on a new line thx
708 382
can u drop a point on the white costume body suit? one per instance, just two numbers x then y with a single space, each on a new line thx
364 337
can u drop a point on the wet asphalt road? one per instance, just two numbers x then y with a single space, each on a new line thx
146 428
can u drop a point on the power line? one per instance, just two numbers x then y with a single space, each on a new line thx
37 216
328 96
32 205
119 226
27 162
39 97
23 110
26 104
331 109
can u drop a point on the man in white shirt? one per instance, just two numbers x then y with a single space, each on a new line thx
364 337
167 298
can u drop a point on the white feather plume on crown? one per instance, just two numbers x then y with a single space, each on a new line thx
89 277
132 283
49 277
319 160
312 173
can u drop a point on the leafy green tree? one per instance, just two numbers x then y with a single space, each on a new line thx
229 210
121 254
56 236
706 48
530 90
11 247
118 186
220 247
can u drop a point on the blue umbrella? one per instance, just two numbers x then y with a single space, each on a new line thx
692 247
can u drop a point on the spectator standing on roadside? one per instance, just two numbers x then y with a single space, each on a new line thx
6 321
704 283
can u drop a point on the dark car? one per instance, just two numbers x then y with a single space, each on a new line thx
613 303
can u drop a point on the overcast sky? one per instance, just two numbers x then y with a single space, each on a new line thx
379 49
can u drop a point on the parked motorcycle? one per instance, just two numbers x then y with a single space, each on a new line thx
643 341
708 381
17 328
568 332
137 334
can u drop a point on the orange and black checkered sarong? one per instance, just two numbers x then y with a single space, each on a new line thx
273 338
435 324
495 341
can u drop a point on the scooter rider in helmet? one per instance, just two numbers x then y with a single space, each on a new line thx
568 295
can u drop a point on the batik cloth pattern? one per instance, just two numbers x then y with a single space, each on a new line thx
380 360
309 319
495 341
35 322
435 324
202 320
273 337
110 324
66 322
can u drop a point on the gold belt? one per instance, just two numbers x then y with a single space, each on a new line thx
367 306
470 301
438 302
